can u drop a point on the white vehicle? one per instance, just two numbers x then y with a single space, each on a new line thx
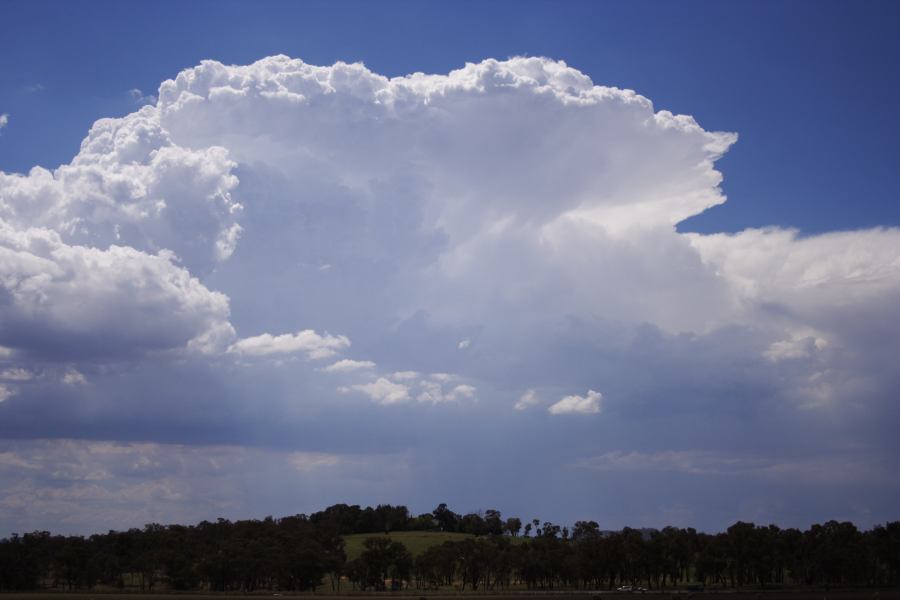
624 588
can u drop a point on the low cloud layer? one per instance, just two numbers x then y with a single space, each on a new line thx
282 255
100 485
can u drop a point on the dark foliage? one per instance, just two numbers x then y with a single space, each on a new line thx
303 553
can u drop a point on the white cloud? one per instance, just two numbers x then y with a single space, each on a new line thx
528 399
589 404
461 391
801 347
5 392
464 344
4 120
404 375
425 390
79 301
816 276
307 342
130 185
73 377
431 392
442 377
140 97
383 391
347 365
16 374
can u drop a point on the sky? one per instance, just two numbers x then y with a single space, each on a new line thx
635 262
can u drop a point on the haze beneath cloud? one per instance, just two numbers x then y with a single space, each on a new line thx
324 285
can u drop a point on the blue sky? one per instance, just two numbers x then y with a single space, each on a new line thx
265 285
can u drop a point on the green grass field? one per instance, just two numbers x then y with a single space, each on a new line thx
415 541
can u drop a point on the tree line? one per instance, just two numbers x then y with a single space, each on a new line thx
306 552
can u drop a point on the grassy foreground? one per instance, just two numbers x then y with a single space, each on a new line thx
746 594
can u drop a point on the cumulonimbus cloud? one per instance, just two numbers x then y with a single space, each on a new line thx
509 222
502 197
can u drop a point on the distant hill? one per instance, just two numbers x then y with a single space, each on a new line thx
415 541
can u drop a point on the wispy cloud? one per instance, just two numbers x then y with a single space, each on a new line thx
528 399
834 469
139 97
348 365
